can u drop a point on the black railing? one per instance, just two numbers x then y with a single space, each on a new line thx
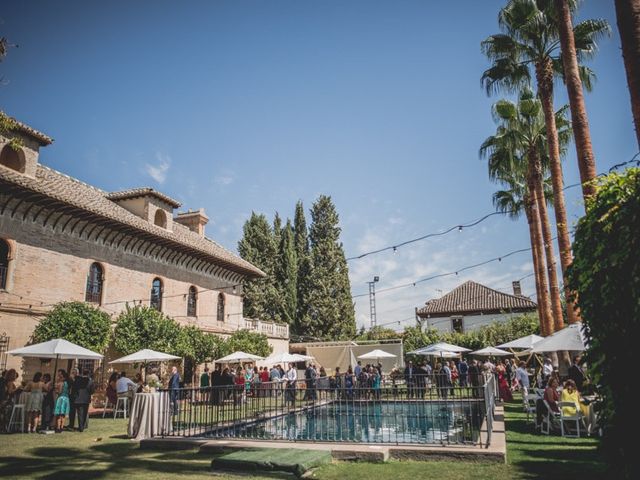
3 276
421 411
93 293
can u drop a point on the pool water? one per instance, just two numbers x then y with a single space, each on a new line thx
371 422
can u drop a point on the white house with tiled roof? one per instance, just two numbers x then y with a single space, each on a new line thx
63 240
471 306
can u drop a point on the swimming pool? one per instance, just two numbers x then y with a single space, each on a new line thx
370 422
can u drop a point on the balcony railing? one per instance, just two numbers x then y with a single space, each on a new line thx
270 329
3 276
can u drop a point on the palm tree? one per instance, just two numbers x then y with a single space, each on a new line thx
628 19
579 119
513 201
522 140
529 44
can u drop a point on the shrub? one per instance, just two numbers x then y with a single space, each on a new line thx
141 327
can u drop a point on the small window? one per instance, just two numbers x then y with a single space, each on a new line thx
160 218
156 294
12 158
192 302
94 284
4 263
220 315
456 324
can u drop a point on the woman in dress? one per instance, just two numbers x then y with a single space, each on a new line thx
7 395
36 388
503 384
63 404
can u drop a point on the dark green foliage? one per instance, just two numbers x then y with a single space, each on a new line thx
261 300
248 342
377 333
77 322
606 278
141 327
301 244
199 346
331 311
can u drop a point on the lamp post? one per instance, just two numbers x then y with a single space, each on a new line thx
372 301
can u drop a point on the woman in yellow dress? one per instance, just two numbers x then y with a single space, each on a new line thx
570 394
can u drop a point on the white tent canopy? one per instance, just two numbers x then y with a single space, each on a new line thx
58 349
569 338
438 348
238 357
145 355
524 342
376 355
491 351
285 357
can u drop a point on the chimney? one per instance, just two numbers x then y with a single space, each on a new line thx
194 221
517 291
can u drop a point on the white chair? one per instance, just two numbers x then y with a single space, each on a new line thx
17 418
122 406
576 417
530 405
549 419
107 404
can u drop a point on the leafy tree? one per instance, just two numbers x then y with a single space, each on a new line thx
528 46
332 315
303 258
261 299
378 333
77 322
249 342
606 278
141 327
199 346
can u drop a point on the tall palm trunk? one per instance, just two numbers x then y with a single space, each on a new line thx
579 119
535 232
544 77
552 274
542 295
628 19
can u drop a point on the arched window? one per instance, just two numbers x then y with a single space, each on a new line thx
192 302
156 294
221 307
12 158
4 263
94 284
160 218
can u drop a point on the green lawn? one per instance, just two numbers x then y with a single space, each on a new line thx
103 452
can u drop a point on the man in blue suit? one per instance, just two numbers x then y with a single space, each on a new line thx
174 385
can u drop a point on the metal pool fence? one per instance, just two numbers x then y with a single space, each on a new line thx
424 411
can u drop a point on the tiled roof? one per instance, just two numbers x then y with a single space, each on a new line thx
142 192
41 137
61 187
471 297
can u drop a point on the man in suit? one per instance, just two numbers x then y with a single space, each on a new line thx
174 385
576 373
410 378
73 374
81 390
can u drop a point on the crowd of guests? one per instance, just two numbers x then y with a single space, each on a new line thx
47 402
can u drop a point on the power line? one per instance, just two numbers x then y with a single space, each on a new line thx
461 226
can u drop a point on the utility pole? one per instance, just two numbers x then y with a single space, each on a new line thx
372 301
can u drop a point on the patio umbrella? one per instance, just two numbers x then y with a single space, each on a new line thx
239 357
145 355
438 348
524 342
491 352
569 338
58 348
376 355
286 357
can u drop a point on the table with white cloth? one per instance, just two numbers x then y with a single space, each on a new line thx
150 415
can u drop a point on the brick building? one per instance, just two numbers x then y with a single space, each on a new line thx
63 240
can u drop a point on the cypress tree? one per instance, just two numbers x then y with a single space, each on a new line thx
286 275
258 247
331 311
301 246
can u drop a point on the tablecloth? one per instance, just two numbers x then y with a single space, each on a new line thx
150 415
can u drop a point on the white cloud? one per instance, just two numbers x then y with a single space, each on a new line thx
159 171
223 179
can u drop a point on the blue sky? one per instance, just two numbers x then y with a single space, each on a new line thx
237 106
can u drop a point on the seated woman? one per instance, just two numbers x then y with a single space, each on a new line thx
570 394
551 394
